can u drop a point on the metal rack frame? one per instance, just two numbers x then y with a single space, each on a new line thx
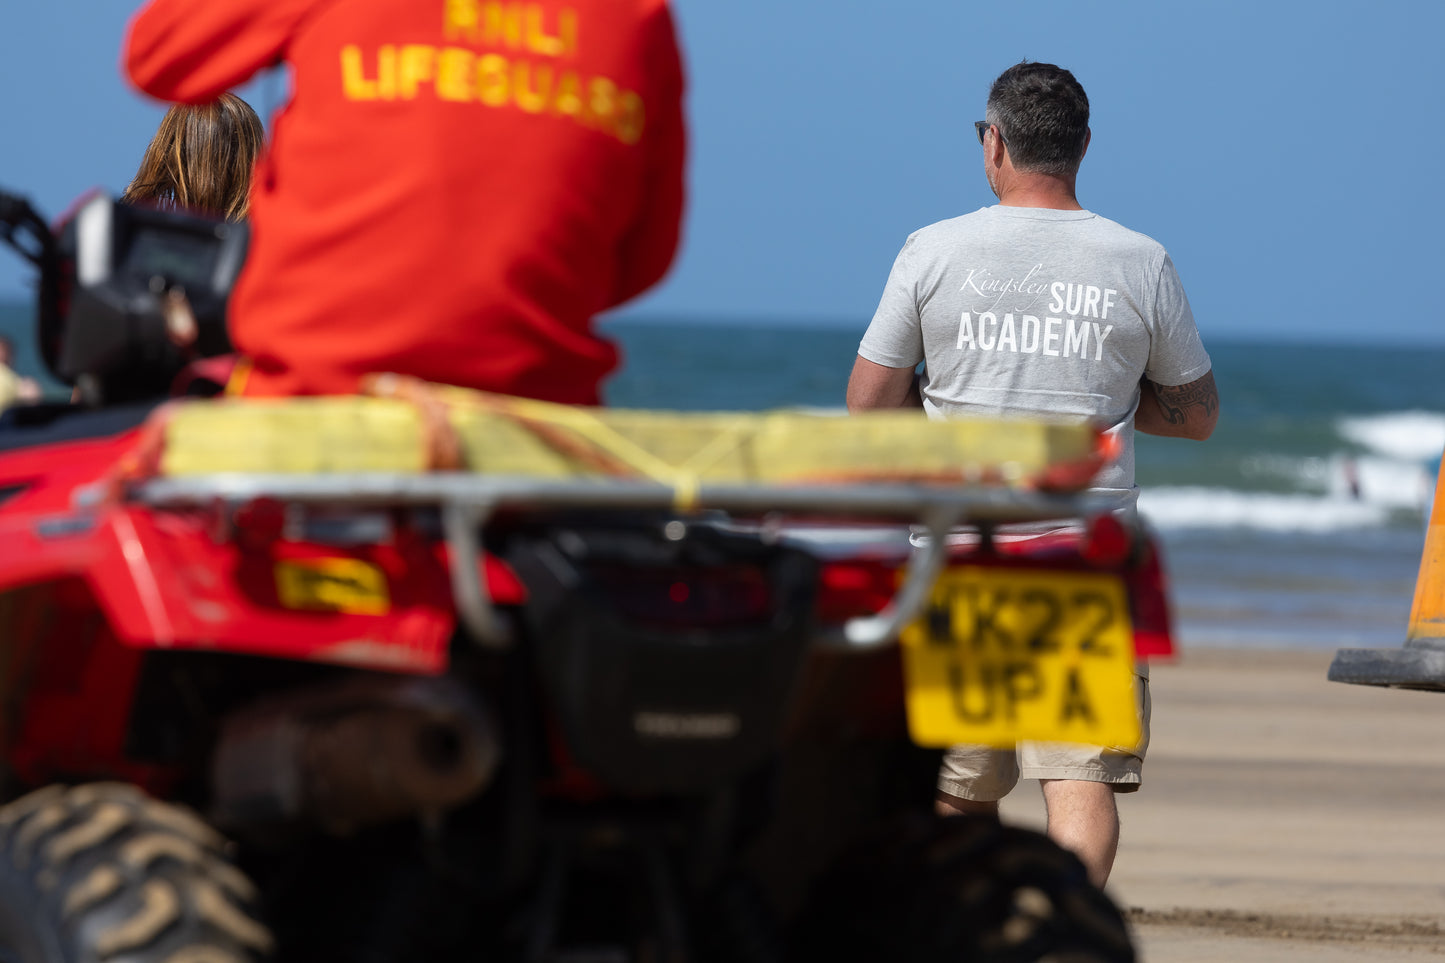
467 501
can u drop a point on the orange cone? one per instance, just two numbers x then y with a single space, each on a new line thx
1420 663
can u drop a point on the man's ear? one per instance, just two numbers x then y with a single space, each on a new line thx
1088 136
995 155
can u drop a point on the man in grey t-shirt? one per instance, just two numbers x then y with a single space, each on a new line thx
1037 307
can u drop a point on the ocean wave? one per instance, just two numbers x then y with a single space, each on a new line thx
1417 436
1224 508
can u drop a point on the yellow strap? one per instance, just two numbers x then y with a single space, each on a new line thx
586 426
240 374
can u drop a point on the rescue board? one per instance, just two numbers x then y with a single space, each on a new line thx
408 426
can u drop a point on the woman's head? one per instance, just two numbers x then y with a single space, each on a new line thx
202 157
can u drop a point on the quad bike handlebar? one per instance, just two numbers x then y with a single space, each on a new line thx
23 229
109 272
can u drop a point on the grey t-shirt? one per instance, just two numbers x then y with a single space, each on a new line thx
1038 312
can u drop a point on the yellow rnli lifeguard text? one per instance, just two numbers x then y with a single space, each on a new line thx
526 76
515 26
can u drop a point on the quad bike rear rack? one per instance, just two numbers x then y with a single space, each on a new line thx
467 501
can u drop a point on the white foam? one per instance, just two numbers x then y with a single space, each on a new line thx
1223 508
1417 436
1311 472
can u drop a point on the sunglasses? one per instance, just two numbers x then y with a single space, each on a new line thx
982 127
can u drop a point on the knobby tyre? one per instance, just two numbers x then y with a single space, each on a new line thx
102 873
963 888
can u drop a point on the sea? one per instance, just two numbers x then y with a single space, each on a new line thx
1300 524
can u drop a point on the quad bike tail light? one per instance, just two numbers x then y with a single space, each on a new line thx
1149 607
854 588
259 522
1107 542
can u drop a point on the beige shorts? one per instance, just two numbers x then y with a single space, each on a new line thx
985 774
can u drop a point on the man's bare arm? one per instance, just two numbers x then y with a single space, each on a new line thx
873 386
1178 411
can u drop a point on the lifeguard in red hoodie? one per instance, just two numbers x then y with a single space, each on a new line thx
455 188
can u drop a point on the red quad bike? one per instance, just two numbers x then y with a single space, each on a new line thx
450 716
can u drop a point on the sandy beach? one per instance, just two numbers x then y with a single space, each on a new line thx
1283 817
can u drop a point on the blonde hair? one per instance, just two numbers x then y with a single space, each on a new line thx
201 157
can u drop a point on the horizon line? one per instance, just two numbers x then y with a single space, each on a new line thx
652 317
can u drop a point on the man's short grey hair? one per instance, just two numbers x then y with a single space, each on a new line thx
1043 114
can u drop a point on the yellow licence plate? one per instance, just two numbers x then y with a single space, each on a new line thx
332 585
1003 655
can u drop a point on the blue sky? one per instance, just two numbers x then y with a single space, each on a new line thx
1289 156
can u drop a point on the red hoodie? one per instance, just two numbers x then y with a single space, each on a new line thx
455 188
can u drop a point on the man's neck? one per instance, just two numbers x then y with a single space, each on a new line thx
1040 190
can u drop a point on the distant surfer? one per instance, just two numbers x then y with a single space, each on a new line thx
1352 477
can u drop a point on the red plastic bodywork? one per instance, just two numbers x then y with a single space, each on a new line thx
177 580
85 591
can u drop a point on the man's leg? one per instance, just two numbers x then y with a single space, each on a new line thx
1084 820
1079 783
948 805
972 779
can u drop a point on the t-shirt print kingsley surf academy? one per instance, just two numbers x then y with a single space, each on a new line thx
1042 312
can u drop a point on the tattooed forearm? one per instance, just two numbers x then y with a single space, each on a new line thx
1182 410
1177 399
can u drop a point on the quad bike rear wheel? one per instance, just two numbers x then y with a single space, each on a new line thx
963 888
102 873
